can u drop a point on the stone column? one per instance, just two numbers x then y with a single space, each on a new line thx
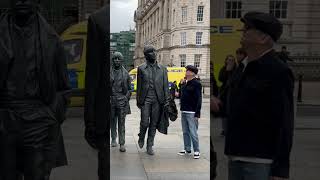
160 15
165 15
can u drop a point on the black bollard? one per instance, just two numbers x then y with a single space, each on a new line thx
300 89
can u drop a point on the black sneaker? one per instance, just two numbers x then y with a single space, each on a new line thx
196 155
184 152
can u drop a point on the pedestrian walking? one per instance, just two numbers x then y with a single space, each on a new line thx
240 55
260 105
173 89
191 99
214 108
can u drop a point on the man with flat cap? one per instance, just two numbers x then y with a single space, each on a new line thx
152 96
260 105
190 106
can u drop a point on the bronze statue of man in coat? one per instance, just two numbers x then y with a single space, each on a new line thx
120 96
152 96
34 91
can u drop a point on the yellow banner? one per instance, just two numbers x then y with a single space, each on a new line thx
225 40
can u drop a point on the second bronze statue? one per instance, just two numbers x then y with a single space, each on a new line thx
120 96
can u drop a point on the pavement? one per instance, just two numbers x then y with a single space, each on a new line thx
135 164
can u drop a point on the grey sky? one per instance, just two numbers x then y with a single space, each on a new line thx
122 15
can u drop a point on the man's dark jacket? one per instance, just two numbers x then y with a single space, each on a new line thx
191 97
53 78
97 86
161 86
260 112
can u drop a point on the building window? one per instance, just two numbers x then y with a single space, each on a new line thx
183 60
279 8
197 59
173 17
233 9
200 13
199 38
183 38
172 40
184 14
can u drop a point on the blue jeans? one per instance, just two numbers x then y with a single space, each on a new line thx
239 170
189 129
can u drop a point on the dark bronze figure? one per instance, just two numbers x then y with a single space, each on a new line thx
33 94
120 96
152 96
97 86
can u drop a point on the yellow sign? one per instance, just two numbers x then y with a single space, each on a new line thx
225 40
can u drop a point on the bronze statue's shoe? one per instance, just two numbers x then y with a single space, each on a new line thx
150 151
140 143
122 148
114 143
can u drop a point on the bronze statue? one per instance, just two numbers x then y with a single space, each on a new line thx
120 96
152 96
97 88
33 94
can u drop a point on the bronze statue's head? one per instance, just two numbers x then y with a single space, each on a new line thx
24 7
117 59
150 54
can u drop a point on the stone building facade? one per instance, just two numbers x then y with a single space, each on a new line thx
178 29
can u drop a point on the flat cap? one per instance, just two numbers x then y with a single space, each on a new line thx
192 69
264 22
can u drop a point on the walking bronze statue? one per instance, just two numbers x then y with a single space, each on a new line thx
33 94
152 96
97 88
120 96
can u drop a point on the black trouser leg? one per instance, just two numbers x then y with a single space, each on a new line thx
154 118
34 164
145 115
113 122
8 157
103 157
121 125
103 164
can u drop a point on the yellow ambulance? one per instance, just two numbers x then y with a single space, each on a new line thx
75 43
174 74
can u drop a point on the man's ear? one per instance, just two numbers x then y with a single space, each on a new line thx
265 39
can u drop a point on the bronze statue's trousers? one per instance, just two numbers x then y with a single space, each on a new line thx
150 113
118 116
103 157
25 144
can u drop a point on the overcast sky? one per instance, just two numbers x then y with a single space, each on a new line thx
122 15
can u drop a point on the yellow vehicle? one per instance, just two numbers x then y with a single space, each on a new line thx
174 74
225 40
74 41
